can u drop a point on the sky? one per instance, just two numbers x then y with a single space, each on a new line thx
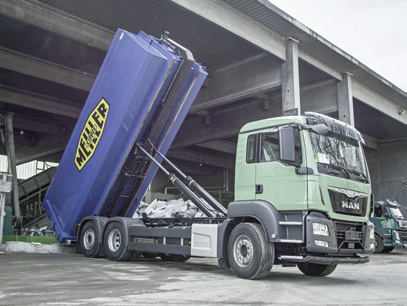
372 31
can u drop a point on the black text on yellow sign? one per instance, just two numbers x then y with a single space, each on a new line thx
91 134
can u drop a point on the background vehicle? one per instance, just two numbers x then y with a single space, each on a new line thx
390 226
302 187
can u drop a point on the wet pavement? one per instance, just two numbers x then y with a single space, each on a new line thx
72 279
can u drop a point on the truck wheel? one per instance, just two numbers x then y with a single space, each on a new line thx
174 258
250 255
149 255
388 250
134 256
89 241
378 244
113 242
316 269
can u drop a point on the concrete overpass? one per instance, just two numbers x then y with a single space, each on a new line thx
261 63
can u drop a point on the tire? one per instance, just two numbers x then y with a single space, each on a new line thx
174 258
114 242
149 255
89 240
388 250
316 269
134 256
250 255
378 244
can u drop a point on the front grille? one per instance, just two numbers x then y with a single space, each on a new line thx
403 236
349 235
403 225
343 204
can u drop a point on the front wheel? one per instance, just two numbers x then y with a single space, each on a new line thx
316 269
388 250
114 242
378 244
250 255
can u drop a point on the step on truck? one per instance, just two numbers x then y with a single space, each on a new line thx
302 187
390 226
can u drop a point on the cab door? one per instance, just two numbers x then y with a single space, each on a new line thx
277 182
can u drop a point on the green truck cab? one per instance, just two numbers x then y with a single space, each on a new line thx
390 226
311 170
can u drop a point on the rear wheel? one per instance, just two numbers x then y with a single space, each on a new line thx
378 244
316 269
114 242
250 255
174 258
89 240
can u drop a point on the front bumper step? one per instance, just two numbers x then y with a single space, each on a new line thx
325 260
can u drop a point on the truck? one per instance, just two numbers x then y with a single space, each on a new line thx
302 186
390 226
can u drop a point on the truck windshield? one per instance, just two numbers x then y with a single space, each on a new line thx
339 152
395 211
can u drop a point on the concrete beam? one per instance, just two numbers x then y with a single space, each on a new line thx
220 145
41 15
233 21
241 80
345 99
24 123
319 65
377 101
226 123
35 67
202 158
370 142
39 102
290 78
47 146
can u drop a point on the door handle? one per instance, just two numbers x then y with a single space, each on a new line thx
259 188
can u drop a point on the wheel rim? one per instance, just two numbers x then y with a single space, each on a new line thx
115 240
375 244
89 239
243 251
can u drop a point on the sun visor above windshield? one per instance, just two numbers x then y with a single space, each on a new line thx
334 125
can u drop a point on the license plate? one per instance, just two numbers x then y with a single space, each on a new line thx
353 235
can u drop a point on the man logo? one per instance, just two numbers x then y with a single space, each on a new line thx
91 134
350 205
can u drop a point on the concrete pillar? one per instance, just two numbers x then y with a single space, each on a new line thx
345 99
290 79
11 154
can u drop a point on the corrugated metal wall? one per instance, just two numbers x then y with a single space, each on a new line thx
26 170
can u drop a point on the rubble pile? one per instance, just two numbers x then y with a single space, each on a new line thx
171 209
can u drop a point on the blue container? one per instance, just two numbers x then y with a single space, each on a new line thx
128 96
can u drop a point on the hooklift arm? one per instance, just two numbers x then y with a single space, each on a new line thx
181 186
194 185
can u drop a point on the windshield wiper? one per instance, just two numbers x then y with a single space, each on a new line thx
361 175
339 168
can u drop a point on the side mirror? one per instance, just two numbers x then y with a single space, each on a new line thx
287 145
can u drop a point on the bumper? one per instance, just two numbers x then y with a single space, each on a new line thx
342 238
327 260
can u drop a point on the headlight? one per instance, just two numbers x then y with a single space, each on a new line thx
397 235
320 229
